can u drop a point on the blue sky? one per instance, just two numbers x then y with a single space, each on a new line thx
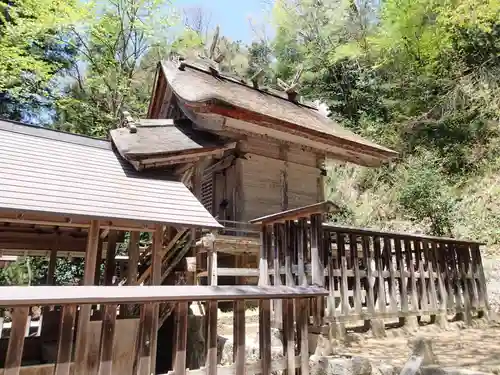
231 15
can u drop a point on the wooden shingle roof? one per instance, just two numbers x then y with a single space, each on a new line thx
159 142
198 89
45 171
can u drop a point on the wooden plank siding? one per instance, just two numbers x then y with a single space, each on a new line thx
264 187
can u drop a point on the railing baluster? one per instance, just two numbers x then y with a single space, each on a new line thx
16 341
65 343
431 282
440 269
264 336
380 275
239 337
265 304
317 269
392 275
289 317
453 253
403 279
181 322
465 287
107 340
410 265
278 305
353 245
370 280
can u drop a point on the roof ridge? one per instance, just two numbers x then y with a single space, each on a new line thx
241 82
53 134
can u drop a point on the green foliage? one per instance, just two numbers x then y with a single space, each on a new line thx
424 193
33 52
69 271
25 271
420 76
113 48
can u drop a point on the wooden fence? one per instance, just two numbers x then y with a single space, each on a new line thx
83 349
370 274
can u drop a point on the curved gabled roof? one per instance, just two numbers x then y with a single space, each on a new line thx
196 87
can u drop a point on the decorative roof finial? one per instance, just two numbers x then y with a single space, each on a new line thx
257 78
291 88
128 122
213 55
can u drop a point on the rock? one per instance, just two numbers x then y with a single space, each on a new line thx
321 365
378 328
225 348
411 324
423 347
385 369
323 346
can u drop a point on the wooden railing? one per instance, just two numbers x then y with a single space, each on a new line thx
114 346
370 274
239 228
374 274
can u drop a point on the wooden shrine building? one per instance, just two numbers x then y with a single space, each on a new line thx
250 151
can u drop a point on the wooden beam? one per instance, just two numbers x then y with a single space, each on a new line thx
82 295
53 219
150 161
42 241
296 213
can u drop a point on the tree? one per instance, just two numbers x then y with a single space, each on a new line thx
420 76
198 20
33 53
109 78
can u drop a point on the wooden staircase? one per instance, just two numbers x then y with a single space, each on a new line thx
173 251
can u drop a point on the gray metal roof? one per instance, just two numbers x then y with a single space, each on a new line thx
53 172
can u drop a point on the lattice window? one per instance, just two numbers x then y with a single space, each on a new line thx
207 191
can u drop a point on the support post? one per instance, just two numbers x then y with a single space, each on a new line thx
133 261
82 365
155 280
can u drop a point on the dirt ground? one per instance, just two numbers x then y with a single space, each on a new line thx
474 348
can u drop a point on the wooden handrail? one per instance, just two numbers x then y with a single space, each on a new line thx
296 213
373 232
14 296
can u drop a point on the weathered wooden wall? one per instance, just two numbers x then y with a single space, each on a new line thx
277 177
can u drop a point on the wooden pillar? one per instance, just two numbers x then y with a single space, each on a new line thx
196 182
317 269
211 321
52 265
110 266
97 273
284 177
265 304
157 248
82 334
133 260
50 278
277 303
